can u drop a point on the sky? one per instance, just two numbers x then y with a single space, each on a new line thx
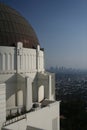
61 27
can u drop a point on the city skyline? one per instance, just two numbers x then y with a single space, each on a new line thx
61 27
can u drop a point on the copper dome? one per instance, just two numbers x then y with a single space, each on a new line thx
15 28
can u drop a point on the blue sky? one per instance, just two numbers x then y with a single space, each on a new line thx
61 27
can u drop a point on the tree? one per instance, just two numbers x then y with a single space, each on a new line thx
75 115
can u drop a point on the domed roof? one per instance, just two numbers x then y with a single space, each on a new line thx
15 28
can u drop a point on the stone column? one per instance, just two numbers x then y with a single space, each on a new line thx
28 93
37 57
19 57
50 85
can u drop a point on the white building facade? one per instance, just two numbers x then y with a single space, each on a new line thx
27 91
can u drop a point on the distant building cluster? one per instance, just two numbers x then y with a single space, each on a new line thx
71 86
65 70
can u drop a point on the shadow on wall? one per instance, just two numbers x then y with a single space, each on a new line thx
33 128
40 87
13 85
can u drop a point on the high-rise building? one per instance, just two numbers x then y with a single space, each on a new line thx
27 91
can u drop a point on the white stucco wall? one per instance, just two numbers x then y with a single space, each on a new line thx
2 103
23 60
48 81
19 60
44 118
7 59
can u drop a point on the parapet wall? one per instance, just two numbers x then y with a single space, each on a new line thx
46 118
13 59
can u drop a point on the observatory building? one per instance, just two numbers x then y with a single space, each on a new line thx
27 91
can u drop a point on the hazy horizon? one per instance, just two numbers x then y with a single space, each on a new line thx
61 27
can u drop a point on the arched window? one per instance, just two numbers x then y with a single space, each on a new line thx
40 93
20 98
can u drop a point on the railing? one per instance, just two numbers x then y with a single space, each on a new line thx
14 110
13 120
